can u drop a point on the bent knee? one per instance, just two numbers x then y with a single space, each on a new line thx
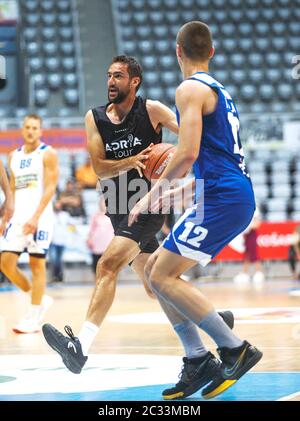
148 289
107 264
149 265
156 282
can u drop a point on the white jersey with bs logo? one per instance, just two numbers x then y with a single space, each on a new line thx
28 171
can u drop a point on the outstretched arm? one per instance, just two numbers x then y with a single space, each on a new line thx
179 198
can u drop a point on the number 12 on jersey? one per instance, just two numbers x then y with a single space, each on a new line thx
193 234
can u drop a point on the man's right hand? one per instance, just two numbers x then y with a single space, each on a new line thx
9 207
6 212
137 161
2 227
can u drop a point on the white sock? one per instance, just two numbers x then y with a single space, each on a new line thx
34 311
87 335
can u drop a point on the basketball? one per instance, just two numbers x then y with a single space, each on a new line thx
159 157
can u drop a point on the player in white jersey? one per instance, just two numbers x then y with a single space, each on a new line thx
33 180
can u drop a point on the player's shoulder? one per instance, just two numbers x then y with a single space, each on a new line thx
191 91
49 151
191 87
152 104
13 153
154 107
89 116
44 146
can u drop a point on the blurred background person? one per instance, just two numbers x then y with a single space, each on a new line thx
251 255
86 175
100 234
72 201
294 253
62 223
33 181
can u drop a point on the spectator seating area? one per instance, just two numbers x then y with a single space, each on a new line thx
9 91
255 43
276 180
48 38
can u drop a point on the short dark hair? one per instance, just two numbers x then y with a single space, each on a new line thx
35 117
195 39
133 66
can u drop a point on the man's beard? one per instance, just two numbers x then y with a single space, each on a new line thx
120 97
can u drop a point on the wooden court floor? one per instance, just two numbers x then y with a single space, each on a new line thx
269 318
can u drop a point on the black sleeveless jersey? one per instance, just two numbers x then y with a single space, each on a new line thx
123 140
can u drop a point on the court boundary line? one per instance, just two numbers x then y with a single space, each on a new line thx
290 397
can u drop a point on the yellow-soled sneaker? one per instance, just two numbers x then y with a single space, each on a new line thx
195 373
199 371
235 363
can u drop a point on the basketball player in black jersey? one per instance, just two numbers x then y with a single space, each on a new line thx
119 136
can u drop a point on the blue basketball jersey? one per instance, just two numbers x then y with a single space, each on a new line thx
224 203
221 159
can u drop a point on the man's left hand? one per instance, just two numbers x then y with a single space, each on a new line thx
30 227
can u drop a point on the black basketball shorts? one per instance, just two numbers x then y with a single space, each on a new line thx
142 232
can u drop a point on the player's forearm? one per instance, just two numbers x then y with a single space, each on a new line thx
4 183
107 168
46 198
5 187
8 205
12 196
177 168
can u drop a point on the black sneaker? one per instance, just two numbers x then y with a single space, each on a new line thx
195 373
68 347
235 363
191 376
228 318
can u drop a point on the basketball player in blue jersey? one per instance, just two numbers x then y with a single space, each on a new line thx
33 180
208 140
120 135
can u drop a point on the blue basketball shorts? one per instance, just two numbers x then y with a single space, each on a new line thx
202 232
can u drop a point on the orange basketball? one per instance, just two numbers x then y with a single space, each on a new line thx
159 157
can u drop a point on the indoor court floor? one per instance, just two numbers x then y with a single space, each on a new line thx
136 355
